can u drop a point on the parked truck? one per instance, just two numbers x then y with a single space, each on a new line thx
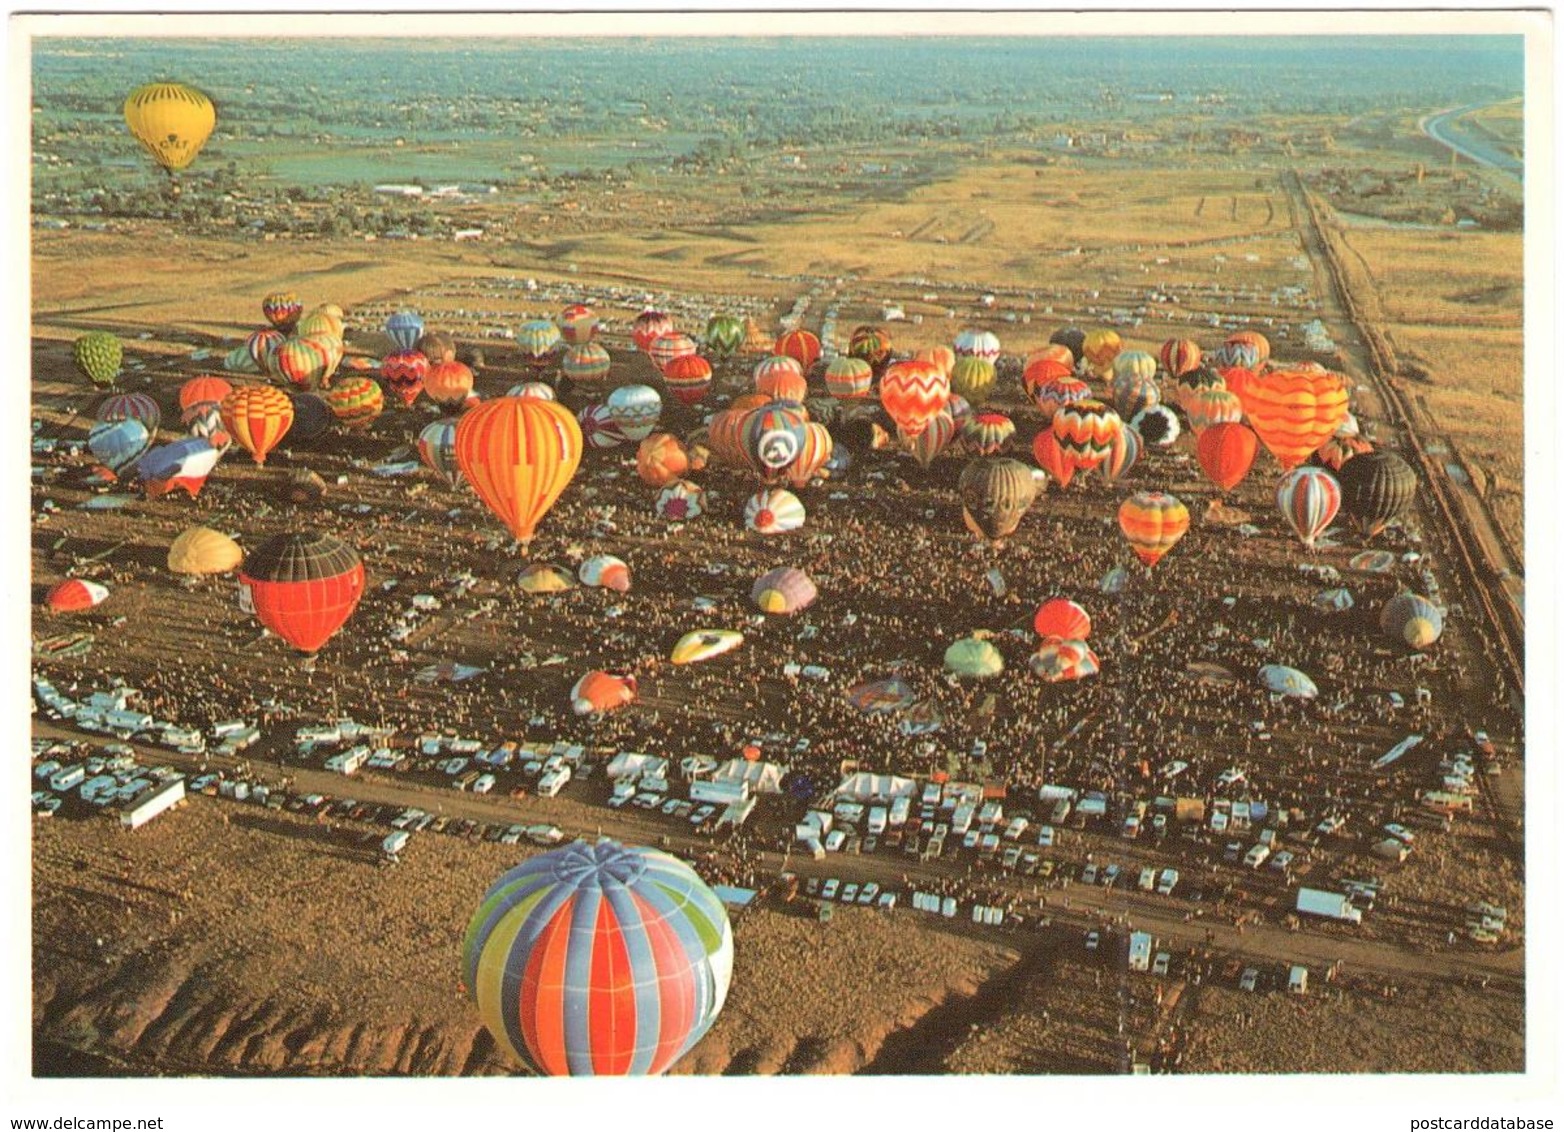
1335 905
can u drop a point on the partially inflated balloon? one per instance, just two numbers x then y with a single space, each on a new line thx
995 494
661 459
118 444
1061 617
1152 522
813 454
201 550
437 449
1099 349
518 453
131 407
1412 620
1049 457
1376 489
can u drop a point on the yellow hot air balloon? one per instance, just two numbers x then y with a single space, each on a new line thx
518 453
1152 522
171 120
201 550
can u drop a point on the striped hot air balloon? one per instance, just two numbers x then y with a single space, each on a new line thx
578 322
1134 391
1085 431
1308 499
813 455
849 378
1152 522
1061 658
986 434
448 384
773 511
405 328
773 436
586 363
607 571
635 409
869 344
1239 343
725 436
1099 348
437 449
688 378
681 500
786 589
303 586
538 343
118 444
540 389
262 344
131 407
324 321
1376 489
1042 368
599 960
933 440
1197 382
1212 407
257 416
776 371
649 326
203 390
405 373
74 595
912 393
974 343
972 377
995 495
800 345
1060 393
302 361
1179 356
282 309
356 401
1294 412
666 347
518 453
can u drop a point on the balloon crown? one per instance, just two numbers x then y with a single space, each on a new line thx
603 865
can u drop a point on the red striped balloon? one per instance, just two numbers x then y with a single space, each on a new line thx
1152 522
912 393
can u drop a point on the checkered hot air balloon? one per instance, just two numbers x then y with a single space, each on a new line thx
599 960
257 416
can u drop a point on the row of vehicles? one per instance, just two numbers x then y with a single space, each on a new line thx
111 713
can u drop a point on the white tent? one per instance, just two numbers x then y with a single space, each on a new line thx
864 786
632 764
763 778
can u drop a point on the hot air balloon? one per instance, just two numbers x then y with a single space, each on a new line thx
725 437
131 407
1226 453
800 345
262 346
1072 338
703 644
585 363
203 390
1376 488
302 361
282 309
184 464
606 571
972 377
539 389
355 401
1085 431
681 500
1179 356
1236 355
774 436
942 356
724 335
986 434
1061 617
448 384
870 344
995 494
518 453
325 321
786 589
1192 383
649 326
666 347
1236 380
172 122
545 578
933 440
912 393
436 347
577 322
848 378
302 586
1255 341
1152 523
1060 393
973 658
238 360
773 511
1133 391
437 449
118 444
1339 449
201 550
1308 499
1294 412
688 378
813 454
1212 407
206 421
99 356
1040 370
1157 426
74 595
257 416
1060 658
778 371
404 373
1283 681
405 327
635 409
1099 349
661 458
312 417
538 343
1412 620
1121 457
973 343
598 960
1049 457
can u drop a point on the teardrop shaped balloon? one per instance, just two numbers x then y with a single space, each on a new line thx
1308 499
99 356
404 373
405 327
1376 489
519 453
303 587
1226 453
171 121
437 449
724 335
649 326
912 393
1049 457
995 494
933 440
1179 356
258 417
282 309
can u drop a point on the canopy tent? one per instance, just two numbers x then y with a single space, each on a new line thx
632 764
863 786
763 778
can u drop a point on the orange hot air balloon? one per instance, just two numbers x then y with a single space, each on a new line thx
942 356
812 455
800 345
1252 338
1061 617
1179 356
661 459
257 416
1040 371
781 384
1152 522
1086 431
518 453
203 390
1054 352
1295 412
1045 450
1236 379
448 384
725 436
1100 348
1212 407
1226 452
912 393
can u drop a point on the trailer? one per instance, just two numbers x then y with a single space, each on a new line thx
1141 944
1333 905
151 802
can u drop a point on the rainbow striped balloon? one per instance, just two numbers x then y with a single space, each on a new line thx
1152 522
599 960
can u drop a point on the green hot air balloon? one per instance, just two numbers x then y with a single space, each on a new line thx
99 357
724 335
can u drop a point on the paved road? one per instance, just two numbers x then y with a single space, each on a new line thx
1447 129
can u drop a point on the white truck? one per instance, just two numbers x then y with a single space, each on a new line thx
553 781
718 793
1334 905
